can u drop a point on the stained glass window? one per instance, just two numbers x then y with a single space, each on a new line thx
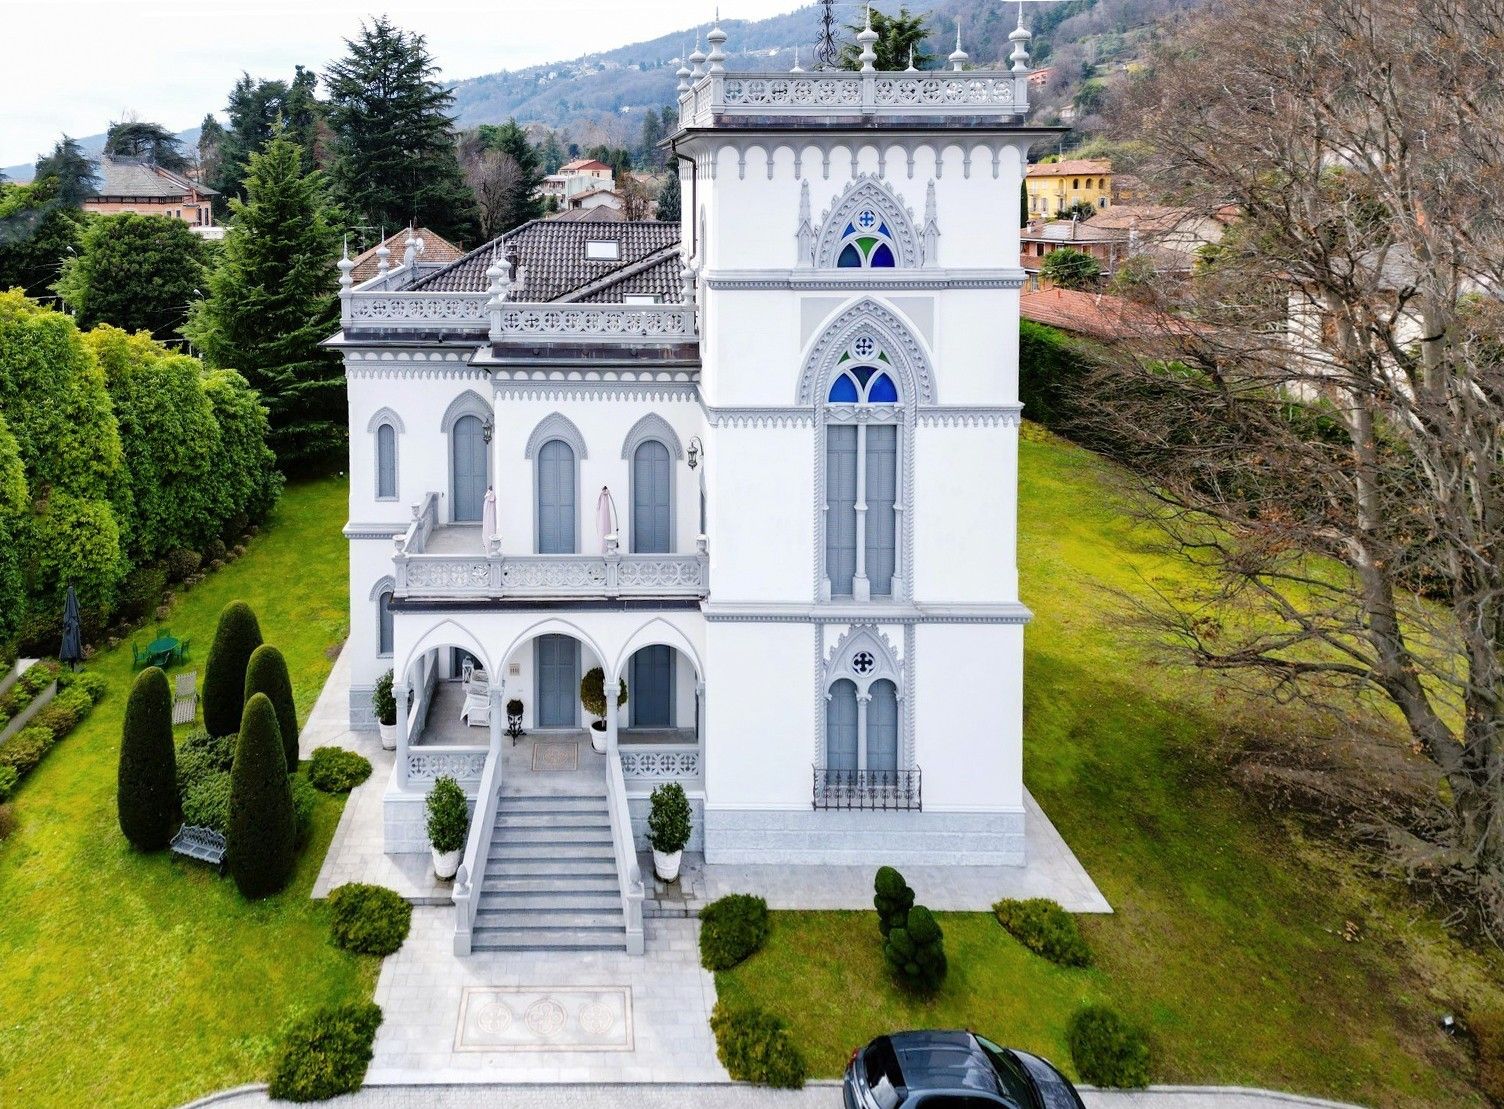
867 243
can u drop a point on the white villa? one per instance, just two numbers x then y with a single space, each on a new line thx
760 465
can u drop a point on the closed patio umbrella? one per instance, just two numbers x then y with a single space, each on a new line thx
605 518
488 517
72 651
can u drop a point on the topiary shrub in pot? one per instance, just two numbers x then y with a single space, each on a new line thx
235 638
892 898
448 825
326 1053
732 928
1046 929
593 698
668 829
384 703
369 920
915 951
266 672
1107 1049
146 782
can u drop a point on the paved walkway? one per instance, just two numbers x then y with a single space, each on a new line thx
822 1096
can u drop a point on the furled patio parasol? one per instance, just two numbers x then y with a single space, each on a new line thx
605 518
72 651
488 517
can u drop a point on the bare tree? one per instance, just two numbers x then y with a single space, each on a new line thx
636 196
493 176
1327 436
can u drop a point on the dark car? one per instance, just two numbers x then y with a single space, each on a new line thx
952 1070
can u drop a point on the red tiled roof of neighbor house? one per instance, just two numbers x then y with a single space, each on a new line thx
1098 315
1091 166
579 165
435 249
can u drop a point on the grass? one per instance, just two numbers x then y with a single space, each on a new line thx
144 980
1228 938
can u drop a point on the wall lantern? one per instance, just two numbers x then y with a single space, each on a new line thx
486 429
696 452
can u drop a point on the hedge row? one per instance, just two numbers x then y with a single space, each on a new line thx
37 677
77 695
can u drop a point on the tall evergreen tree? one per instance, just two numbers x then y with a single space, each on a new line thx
262 841
670 197
146 795
150 142
394 142
236 637
648 155
211 156
267 673
552 153
77 174
896 35
272 298
137 272
37 231
257 109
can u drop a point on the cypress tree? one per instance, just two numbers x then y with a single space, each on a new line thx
262 840
273 297
146 792
670 198
235 639
267 673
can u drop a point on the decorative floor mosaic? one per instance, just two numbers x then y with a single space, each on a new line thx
556 756
545 1018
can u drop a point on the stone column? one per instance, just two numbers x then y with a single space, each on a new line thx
863 699
497 715
861 588
612 688
399 694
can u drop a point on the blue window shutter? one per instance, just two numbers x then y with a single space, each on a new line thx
882 727
468 469
840 727
556 507
652 493
840 516
384 622
386 461
882 492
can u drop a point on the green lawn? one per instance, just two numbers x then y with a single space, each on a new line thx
1227 941
144 980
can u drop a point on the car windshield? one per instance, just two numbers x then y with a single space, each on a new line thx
883 1073
1009 1074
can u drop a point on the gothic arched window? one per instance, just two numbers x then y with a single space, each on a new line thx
866 243
861 473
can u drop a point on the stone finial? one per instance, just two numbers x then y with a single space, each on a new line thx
959 57
1020 37
410 248
716 59
687 282
345 266
697 60
684 74
911 68
868 38
797 67
383 256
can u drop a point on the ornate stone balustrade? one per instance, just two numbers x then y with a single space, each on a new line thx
592 323
724 96
498 575
367 310
659 763
466 765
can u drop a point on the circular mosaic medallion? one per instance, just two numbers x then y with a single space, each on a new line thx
545 1017
494 1018
596 1018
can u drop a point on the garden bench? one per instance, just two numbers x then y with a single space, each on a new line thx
204 844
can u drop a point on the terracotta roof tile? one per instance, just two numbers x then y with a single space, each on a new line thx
435 249
1070 166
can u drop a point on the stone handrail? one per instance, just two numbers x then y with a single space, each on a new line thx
380 308
425 519
466 765
499 575
591 323
628 874
660 762
472 871
836 93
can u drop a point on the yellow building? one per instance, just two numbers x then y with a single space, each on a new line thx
1055 186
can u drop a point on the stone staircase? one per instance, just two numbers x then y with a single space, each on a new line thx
550 881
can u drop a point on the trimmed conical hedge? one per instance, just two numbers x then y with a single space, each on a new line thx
915 950
892 898
267 673
262 840
236 637
146 784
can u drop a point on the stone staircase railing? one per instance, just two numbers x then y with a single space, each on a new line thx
472 872
628 874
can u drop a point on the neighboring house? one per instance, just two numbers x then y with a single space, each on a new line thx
801 402
583 183
128 185
1055 186
428 248
1168 237
603 212
1094 315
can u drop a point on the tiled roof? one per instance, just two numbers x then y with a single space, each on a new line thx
1096 314
581 164
601 213
1145 218
1071 166
125 177
1077 231
552 253
435 249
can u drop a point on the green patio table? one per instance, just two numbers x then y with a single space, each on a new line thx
162 652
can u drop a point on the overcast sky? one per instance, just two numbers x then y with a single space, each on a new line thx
73 65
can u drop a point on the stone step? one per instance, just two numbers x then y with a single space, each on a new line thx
557 902
570 883
486 939
553 835
549 868
521 920
553 820
558 801
533 852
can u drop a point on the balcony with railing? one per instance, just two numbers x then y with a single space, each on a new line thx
871 790
433 562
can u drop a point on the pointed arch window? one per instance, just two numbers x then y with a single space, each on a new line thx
866 243
861 474
865 760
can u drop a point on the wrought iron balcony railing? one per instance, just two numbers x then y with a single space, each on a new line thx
879 790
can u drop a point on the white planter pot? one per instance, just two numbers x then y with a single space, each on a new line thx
598 740
388 737
445 863
666 864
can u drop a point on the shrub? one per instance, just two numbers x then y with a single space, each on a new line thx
755 1046
38 676
1045 929
593 692
1107 1050
94 685
146 788
263 833
140 592
62 714
25 749
448 816
370 920
235 638
206 802
202 754
266 672
7 821
1487 1029
669 818
335 770
892 898
214 550
304 798
9 779
326 1054
731 929
383 701
915 951
181 563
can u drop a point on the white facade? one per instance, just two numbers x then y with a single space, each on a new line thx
786 645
